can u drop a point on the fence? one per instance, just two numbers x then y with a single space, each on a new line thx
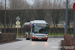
51 30
7 36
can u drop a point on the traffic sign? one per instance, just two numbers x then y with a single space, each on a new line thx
74 6
17 18
64 23
18 26
18 22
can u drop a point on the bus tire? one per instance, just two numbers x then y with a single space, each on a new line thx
45 40
32 39
26 38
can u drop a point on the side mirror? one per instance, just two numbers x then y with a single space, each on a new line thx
48 27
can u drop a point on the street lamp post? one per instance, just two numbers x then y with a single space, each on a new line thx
5 19
74 18
74 24
66 30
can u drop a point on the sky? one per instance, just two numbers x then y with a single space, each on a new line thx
31 2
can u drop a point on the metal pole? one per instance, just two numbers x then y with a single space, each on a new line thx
17 32
66 30
74 24
5 19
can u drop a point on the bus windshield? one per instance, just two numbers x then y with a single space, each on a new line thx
41 28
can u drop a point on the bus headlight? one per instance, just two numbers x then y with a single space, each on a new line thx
33 36
46 36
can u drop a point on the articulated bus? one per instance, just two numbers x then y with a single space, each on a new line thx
37 29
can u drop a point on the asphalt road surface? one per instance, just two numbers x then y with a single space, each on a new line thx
51 44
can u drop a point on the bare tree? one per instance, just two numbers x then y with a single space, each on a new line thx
55 17
37 4
1 5
18 4
46 4
1 13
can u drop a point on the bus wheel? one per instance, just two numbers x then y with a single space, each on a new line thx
45 40
26 38
32 39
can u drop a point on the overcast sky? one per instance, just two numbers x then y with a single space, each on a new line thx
31 2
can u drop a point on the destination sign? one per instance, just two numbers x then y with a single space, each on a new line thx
40 24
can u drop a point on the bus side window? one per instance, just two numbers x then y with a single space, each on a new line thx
47 27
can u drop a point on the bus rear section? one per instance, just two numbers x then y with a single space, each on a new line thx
27 30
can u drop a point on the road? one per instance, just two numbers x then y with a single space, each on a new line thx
51 44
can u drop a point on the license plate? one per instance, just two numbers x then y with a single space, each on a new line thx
39 38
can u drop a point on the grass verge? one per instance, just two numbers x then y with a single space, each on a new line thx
50 34
57 34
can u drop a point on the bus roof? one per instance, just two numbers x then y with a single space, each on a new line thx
36 21
27 23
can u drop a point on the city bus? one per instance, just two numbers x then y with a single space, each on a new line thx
37 29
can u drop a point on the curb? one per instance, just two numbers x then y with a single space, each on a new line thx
48 37
55 36
62 45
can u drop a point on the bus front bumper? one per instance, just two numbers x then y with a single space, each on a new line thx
44 38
